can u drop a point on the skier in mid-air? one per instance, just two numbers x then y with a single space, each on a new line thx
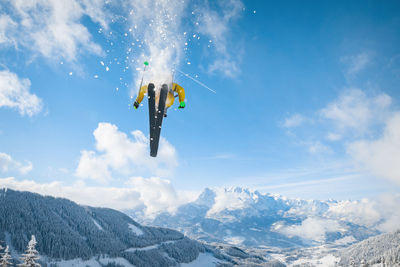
170 97
162 99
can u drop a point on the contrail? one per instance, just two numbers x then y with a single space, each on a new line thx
197 81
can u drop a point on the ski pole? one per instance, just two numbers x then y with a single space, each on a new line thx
197 81
145 65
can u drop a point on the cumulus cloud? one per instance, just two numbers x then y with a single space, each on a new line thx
15 93
152 195
8 164
311 228
52 28
228 200
118 153
156 194
362 212
381 213
381 156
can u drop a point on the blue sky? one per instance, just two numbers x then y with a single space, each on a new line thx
307 101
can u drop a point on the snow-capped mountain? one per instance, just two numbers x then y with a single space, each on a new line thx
68 234
246 217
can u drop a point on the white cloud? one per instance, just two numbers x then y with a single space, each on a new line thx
361 212
8 164
118 153
156 194
224 65
228 199
311 228
294 121
52 27
6 25
151 195
381 156
14 93
333 136
318 147
381 213
215 24
356 111
356 63
164 39
160 36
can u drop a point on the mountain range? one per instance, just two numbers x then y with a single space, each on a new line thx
249 218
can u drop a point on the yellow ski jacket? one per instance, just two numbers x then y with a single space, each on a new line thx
170 98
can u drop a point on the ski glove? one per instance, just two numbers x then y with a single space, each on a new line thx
136 105
182 104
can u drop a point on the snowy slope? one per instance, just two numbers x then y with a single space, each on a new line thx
245 217
383 249
69 234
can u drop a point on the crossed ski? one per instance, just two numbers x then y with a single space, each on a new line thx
156 115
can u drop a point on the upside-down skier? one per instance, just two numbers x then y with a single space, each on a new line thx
159 101
170 97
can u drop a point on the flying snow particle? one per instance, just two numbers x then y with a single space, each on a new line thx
254 12
61 62
107 68
96 76
102 63
125 34
70 73
189 63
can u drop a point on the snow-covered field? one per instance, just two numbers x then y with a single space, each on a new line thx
203 260
149 247
136 230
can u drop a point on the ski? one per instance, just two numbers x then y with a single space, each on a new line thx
152 110
158 120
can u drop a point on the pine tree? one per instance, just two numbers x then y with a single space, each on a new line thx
5 259
29 258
